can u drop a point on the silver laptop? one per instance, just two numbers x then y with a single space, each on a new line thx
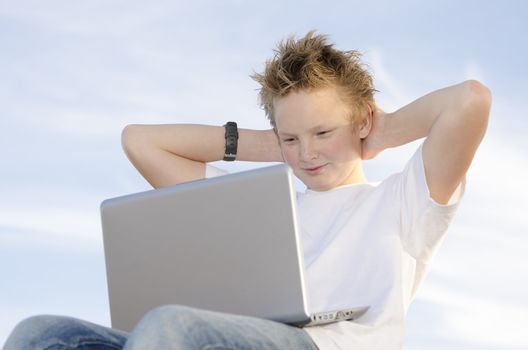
228 244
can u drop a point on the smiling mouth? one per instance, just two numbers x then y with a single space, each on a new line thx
314 170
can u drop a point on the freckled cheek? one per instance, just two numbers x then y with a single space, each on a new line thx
339 150
290 156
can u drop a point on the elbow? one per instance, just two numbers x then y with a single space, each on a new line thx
477 99
130 138
477 89
473 106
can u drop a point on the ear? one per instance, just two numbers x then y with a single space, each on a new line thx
366 124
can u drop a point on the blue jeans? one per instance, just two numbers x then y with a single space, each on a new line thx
166 327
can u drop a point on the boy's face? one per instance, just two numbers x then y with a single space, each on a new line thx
317 139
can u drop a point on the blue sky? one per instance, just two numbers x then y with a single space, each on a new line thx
73 74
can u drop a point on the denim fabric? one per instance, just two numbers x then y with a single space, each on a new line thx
166 327
61 333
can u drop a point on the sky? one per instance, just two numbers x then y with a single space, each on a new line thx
73 74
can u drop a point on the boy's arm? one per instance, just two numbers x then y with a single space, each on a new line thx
453 120
169 154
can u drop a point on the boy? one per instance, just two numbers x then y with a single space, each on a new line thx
365 243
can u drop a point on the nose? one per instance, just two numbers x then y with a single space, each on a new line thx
308 151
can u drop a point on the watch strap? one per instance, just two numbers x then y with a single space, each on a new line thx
231 141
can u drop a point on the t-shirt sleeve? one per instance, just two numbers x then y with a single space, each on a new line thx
212 171
424 221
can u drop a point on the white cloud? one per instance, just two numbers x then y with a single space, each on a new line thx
86 18
76 122
472 319
394 94
50 212
499 180
473 71
64 221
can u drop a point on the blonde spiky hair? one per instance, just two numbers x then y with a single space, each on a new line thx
311 63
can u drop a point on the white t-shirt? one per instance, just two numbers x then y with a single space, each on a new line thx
369 244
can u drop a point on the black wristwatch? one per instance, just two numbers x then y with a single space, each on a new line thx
231 141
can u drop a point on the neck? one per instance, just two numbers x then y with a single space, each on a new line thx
357 176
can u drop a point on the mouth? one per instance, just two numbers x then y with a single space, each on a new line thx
315 170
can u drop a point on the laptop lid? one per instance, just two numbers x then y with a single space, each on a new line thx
227 244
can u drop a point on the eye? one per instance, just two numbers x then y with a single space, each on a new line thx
288 140
324 133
